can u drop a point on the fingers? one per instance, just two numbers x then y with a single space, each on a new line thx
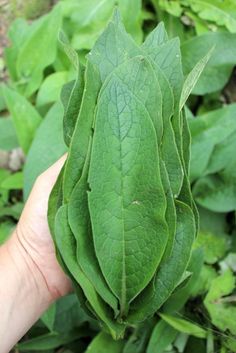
37 203
47 179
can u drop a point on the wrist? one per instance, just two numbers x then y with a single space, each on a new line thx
23 292
29 279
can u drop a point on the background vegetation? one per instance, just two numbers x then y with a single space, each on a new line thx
201 316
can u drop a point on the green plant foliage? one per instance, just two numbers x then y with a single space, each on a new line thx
49 341
221 13
186 288
14 181
206 276
49 316
193 287
193 77
219 303
138 341
214 246
205 13
25 118
220 65
217 192
215 131
8 139
50 89
124 115
215 169
89 17
37 45
162 336
42 154
103 343
184 326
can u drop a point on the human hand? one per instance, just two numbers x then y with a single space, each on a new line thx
33 233
30 276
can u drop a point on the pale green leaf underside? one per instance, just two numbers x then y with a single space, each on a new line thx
193 77
184 326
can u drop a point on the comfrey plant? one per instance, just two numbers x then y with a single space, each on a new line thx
121 213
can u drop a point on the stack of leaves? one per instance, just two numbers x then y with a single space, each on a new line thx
121 213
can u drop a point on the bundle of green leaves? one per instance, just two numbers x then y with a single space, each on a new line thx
121 213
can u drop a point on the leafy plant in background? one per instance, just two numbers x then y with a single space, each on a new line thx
205 14
215 169
208 294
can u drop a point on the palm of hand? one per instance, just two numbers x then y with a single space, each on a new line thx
34 235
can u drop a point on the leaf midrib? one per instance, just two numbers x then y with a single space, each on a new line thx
123 281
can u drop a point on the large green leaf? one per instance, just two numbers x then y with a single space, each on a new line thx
222 153
103 343
157 37
124 124
182 294
90 17
217 192
119 47
220 65
168 58
49 341
18 32
48 317
212 133
162 336
25 117
80 139
169 275
38 50
72 104
72 92
184 326
70 315
66 244
8 139
218 303
169 148
99 66
13 182
50 89
79 221
132 23
47 147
